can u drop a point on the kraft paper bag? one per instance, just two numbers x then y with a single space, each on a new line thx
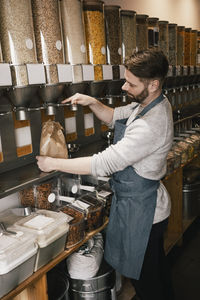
52 141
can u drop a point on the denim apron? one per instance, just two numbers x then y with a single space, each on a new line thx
131 214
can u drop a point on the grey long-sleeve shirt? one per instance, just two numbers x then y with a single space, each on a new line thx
144 146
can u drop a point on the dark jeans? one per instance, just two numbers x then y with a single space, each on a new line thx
155 278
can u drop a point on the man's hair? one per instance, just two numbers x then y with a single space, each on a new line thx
148 64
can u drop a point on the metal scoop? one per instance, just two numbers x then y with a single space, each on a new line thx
3 229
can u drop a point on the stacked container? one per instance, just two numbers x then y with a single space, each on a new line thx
48 36
17 259
153 32
50 231
17 38
164 37
172 28
187 47
128 27
141 32
113 37
193 47
180 45
95 35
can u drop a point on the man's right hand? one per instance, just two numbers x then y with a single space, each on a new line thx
81 99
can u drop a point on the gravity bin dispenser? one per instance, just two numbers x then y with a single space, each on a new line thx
20 116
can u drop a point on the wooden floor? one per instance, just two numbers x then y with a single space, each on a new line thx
127 291
185 265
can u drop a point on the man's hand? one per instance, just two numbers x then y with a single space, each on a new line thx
46 163
81 99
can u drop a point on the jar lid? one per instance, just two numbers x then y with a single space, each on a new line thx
194 30
112 7
95 2
141 16
163 22
128 12
153 19
181 28
172 24
188 29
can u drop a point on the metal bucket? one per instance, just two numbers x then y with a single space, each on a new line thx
100 287
58 285
191 200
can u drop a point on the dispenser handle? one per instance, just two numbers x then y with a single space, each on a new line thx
87 188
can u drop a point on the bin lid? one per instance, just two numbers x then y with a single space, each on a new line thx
47 226
15 249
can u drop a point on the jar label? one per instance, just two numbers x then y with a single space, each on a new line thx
198 58
83 48
103 50
29 44
58 45
120 51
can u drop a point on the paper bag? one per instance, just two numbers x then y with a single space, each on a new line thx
52 141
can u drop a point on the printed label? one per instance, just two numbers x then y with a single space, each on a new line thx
58 45
83 48
29 44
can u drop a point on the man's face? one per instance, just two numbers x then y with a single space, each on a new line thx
136 89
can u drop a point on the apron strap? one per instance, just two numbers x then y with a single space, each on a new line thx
150 106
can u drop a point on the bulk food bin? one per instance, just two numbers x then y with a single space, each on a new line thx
50 230
17 259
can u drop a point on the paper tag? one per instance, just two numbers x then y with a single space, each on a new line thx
39 222
81 204
104 194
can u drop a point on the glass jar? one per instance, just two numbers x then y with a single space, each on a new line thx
95 35
17 37
172 28
113 34
193 47
73 31
164 37
141 32
187 47
36 196
1 56
128 26
198 48
180 45
48 36
153 32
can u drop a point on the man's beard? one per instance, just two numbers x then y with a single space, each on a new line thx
141 97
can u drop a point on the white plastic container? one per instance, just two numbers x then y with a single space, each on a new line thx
50 230
17 259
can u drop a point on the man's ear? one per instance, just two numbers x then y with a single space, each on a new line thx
154 85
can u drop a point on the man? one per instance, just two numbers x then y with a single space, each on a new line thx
137 161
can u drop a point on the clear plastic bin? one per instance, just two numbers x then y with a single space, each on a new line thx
17 259
50 231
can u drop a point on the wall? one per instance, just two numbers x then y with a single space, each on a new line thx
9 201
182 12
